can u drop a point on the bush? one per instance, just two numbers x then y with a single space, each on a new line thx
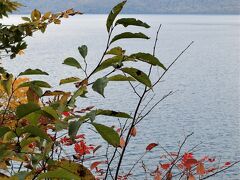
39 126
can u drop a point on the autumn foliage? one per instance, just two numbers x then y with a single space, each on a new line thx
40 128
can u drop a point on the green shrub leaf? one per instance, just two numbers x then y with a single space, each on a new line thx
112 113
4 130
148 58
109 62
69 80
138 75
72 62
26 109
38 83
83 50
118 51
108 134
33 72
99 85
120 77
36 131
73 128
128 35
51 111
131 22
113 14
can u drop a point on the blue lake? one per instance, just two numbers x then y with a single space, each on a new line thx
206 81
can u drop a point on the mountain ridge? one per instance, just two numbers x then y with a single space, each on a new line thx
136 6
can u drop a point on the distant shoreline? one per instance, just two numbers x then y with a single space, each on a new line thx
201 14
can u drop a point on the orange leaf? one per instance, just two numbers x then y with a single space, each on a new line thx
200 169
151 146
122 142
133 132
190 162
169 176
191 177
165 166
157 176
95 164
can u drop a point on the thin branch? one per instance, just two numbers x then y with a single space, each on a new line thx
222 170
175 60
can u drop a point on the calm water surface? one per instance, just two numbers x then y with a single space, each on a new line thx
206 80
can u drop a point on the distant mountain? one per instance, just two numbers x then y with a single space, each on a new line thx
137 6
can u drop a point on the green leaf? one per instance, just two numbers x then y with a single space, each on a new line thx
73 128
131 22
109 62
50 111
33 118
67 170
37 90
112 113
128 35
91 115
72 62
148 58
99 85
60 125
59 173
108 134
26 141
83 50
36 131
33 72
120 77
38 83
81 91
118 51
26 109
113 14
4 130
26 19
69 80
138 75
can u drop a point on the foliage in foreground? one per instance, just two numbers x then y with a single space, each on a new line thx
39 127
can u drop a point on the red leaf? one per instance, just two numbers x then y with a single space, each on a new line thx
211 159
190 162
211 169
227 163
151 146
66 113
165 166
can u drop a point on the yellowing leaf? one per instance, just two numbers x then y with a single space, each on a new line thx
201 169
122 142
21 52
191 177
133 132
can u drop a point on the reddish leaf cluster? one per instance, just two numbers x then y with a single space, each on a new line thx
189 165
68 141
81 148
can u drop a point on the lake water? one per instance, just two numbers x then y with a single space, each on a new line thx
206 80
